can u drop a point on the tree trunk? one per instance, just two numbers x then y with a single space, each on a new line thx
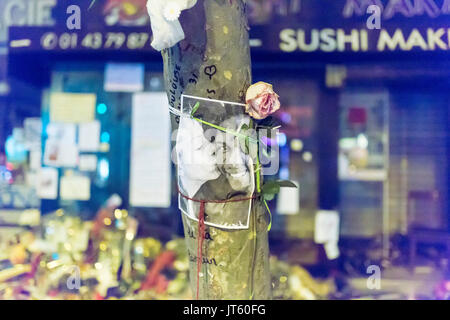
214 62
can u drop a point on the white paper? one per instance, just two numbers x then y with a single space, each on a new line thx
88 162
75 188
72 107
326 227
60 148
166 30
19 135
331 250
288 200
89 136
35 159
48 183
58 154
150 164
124 77
64 132
32 179
33 133
205 163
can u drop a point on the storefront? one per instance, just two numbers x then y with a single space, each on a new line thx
378 96
350 118
364 134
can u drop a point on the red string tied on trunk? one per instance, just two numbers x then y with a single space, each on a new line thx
202 228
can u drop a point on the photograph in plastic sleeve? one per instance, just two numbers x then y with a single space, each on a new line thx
212 166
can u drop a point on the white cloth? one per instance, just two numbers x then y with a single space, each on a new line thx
166 33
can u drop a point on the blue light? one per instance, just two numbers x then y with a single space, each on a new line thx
284 173
7 175
103 168
104 138
119 223
281 139
15 151
286 117
102 108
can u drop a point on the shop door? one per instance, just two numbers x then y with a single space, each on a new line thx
363 162
419 158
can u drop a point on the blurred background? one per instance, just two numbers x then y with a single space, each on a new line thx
87 189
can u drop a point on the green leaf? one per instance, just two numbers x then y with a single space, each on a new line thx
194 109
244 127
268 196
270 187
243 142
287 184
247 142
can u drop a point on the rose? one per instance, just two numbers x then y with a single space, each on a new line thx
261 100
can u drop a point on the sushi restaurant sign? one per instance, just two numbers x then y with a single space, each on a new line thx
302 26
356 26
361 40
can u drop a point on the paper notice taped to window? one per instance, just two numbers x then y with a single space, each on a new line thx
35 159
75 188
33 133
47 185
326 227
288 200
72 107
124 77
331 250
150 167
58 154
89 136
88 162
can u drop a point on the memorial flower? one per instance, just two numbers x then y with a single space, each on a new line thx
261 100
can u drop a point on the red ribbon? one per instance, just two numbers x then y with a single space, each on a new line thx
201 237
202 228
